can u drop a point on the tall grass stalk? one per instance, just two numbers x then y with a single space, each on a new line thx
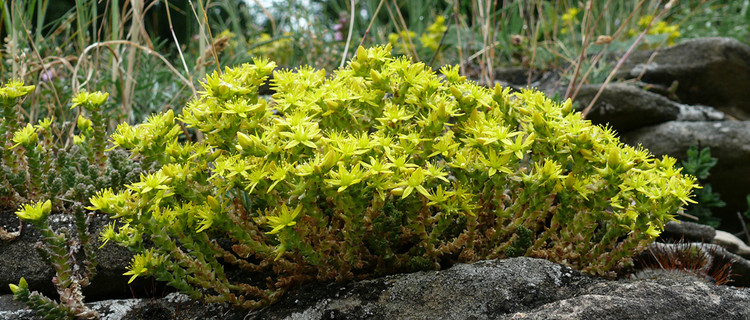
661 13
349 37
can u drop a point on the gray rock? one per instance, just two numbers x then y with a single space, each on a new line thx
729 142
8 304
661 299
518 288
699 113
708 71
173 306
732 243
518 78
626 107
687 231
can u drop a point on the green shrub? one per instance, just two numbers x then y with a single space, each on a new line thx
382 167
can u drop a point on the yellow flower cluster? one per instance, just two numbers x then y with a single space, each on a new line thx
569 19
280 48
661 27
429 39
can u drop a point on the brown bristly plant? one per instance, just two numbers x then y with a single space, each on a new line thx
697 260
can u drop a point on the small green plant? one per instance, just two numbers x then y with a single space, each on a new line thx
698 164
45 176
36 167
383 167
60 253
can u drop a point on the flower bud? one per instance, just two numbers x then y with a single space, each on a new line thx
244 140
567 106
22 286
375 75
83 123
361 54
397 191
215 206
329 159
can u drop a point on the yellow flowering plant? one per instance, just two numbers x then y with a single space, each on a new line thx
382 167
668 32
569 20
36 166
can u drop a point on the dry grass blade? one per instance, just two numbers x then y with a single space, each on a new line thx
369 26
588 32
210 37
600 55
268 15
41 62
622 60
405 30
179 50
95 45
349 37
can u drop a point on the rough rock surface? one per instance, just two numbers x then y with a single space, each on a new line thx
732 243
170 307
688 231
518 288
708 71
626 107
729 142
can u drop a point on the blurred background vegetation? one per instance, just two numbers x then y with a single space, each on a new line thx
150 55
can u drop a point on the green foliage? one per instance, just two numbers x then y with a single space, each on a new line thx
50 309
36 166
43 175
520 242
383 167
714 18
59 252
699 164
